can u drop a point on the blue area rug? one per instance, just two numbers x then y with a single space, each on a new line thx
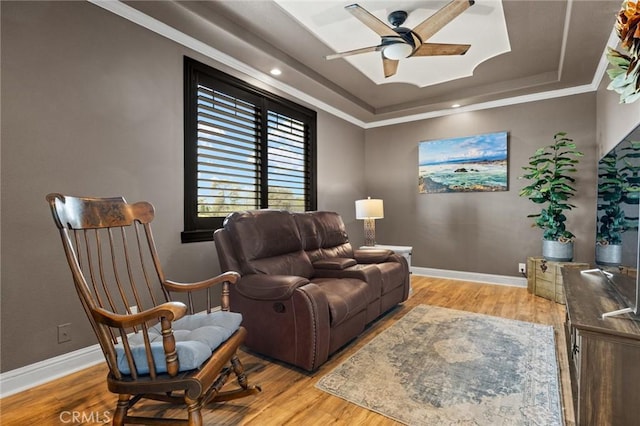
439 366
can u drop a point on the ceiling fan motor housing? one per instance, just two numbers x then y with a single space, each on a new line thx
399 48
397 18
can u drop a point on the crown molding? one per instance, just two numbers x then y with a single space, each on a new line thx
127 12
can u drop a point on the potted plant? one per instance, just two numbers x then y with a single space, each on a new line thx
631 170
551 186
612 221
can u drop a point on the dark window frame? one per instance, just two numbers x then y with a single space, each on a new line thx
199 228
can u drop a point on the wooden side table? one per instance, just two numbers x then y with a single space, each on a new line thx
544 278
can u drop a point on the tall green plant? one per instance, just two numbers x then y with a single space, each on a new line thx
611 193
630 155
551 185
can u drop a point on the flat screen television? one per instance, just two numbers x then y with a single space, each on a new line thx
618 217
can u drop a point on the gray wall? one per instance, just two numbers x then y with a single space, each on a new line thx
92 105
480 232
614 120
341 165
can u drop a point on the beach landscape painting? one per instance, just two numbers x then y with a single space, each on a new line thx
466 164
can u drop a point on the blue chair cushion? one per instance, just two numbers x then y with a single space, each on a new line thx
197 336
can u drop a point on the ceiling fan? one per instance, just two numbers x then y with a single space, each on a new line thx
400 42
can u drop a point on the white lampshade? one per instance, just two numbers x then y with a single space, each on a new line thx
369 209
397 51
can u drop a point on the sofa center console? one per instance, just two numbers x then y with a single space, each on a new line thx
604 354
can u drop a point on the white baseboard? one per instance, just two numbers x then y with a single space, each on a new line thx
32 375
26 377
471 276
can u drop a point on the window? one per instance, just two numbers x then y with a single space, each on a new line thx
245 149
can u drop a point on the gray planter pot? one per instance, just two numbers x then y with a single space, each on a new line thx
609 254
556 251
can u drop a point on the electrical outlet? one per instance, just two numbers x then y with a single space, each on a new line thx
522 268
133 309
64 333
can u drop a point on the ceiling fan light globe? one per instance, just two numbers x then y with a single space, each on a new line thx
397 51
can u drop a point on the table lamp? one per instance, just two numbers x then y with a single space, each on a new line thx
369 210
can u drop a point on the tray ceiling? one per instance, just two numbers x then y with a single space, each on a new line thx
554 47
482 25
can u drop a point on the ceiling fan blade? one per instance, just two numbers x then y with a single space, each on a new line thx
427 28
390 66
371 21
438 49
353 52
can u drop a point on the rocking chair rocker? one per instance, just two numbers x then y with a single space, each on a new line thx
155 348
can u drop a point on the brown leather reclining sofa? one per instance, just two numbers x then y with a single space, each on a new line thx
305 292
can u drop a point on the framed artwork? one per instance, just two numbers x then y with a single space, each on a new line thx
467 164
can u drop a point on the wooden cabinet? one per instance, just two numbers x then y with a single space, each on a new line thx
604 354
544 278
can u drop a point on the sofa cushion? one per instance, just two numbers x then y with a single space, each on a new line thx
197 336
295 264
346 296
393 275
308 229
323 235
268 242
342 250
330 228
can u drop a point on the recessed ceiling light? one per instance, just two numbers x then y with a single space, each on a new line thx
455 106
275 71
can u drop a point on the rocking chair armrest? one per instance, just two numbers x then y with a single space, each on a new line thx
169 310
229 277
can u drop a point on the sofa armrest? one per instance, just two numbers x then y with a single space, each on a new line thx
372 255
334 263
269 287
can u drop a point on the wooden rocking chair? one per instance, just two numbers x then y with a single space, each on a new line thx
155 348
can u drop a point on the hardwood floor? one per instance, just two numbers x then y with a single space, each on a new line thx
289 395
